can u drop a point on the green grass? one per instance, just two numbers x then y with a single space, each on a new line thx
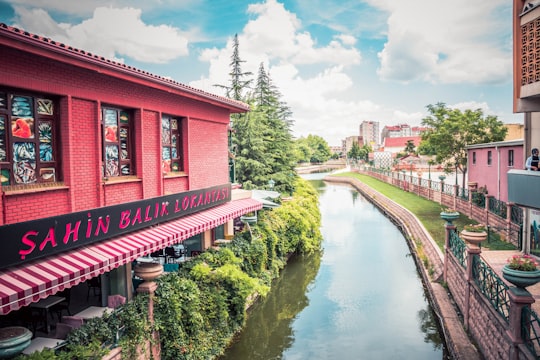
427 211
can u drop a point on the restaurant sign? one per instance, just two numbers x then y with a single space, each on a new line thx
30 240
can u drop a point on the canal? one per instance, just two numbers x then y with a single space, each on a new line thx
359 298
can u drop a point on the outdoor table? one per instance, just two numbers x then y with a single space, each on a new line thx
45 305
93 312
40 343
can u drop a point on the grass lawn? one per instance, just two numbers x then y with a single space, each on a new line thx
427 211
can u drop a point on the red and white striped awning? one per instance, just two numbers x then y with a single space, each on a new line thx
28 283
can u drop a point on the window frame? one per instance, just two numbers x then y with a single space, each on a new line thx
511 158
474 157
115 138
35 117
489 157
170 164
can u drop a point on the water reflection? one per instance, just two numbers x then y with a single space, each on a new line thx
361 298
268 331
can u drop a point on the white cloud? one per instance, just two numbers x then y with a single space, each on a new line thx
275 38
112 33
444 42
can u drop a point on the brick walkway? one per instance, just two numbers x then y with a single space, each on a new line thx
457 340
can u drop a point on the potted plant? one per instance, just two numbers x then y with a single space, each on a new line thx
474 234
521 270
449 215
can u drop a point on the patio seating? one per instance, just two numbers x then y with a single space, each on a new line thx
114 301
74 321
62 330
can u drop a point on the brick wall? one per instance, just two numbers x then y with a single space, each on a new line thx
81 93
485 325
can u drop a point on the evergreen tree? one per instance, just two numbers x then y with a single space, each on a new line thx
238 83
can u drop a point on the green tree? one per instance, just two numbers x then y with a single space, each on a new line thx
354 153
238 82
450 131
263 140
410 148
319 151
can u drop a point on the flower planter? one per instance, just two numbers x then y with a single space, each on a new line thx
520 278
473 238
13 340
449 216
249 218
148 271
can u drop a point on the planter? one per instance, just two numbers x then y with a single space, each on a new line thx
148 271
519 278
249 218
473 238
449 217
13 340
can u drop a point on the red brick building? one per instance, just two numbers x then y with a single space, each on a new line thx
102 163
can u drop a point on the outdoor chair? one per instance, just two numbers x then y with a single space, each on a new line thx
114 301
75 321
62 330
64 305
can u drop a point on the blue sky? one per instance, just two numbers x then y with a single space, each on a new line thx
336 62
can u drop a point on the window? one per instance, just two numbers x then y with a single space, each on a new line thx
117 132
28 139
489 157
474 157
171 142
510 158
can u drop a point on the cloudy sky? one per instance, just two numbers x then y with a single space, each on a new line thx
336 62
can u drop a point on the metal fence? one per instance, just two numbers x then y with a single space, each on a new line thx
491 285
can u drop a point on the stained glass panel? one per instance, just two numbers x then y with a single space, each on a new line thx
165 153
24 172
47 174
124 117
3 141
3 100
125 169
22 127
165 131
45 141
22 106
45 107
4 176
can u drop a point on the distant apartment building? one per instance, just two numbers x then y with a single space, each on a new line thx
401 130
369 131
515 131
348 143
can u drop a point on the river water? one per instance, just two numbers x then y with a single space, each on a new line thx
359 298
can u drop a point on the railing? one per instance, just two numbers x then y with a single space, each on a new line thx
493 288
458 248
463 193
530 329
477 199
448 189
516 214
497 207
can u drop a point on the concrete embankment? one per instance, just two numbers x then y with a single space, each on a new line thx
457 341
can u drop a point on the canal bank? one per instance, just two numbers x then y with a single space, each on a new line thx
458 342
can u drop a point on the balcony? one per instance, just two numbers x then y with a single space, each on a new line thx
523 188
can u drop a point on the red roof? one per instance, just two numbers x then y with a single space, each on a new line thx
393 142
14 37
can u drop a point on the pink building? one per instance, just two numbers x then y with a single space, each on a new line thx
488 165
